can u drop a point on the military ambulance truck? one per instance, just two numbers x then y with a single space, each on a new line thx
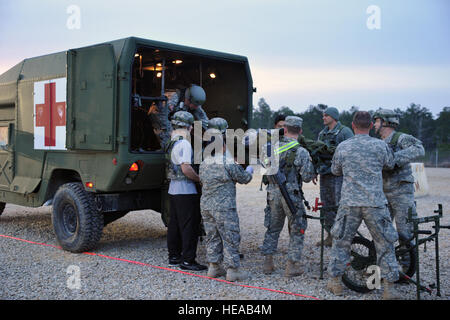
77 128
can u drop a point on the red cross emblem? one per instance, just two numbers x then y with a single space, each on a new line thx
50 114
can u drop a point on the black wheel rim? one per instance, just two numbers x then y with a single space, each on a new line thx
69 219
360 260
356 273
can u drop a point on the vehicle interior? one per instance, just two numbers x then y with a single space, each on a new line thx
158 74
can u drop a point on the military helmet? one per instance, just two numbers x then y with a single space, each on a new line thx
389 117
219 124
182 119
196 95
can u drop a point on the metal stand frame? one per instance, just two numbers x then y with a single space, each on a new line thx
416 221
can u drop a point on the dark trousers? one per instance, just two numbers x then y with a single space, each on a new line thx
330 195
184 226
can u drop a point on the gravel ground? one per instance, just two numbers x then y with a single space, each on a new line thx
33 271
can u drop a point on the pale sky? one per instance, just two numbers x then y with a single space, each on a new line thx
300 52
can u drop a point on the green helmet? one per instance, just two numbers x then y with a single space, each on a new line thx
389 117
182 119
196 95
219 124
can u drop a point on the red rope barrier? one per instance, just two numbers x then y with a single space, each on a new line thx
164 268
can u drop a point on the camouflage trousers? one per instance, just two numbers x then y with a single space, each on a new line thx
383 233
275 215
222 237
400 199
330 194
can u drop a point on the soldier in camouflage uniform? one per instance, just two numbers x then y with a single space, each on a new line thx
360 160
219 175
330 185
398 183
187 99
298 167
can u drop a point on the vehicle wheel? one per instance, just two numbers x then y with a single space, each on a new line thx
109 217
77 223
363 255
2 207
406 257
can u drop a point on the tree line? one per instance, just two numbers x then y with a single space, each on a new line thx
415 120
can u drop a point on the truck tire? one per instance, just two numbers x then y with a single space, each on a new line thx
77 223
2 207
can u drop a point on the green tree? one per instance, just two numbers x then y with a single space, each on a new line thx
418 121
312 121
262 117
442 133
346 116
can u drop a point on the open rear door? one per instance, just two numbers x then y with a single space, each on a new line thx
91 101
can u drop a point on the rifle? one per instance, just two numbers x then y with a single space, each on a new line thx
280 180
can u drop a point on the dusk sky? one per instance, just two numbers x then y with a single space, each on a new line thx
337 53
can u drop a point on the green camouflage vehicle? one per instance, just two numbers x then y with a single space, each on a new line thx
77 129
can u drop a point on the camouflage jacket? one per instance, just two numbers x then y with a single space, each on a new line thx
299 167
361 160
406 148
332 138
199 114
219 177
163 117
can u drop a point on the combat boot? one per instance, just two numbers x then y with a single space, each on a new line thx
236 274
215 270
389 292
268 267
334 285
293 269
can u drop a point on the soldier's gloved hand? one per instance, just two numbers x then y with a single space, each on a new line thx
249 169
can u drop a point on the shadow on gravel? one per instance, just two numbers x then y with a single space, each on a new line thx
144 244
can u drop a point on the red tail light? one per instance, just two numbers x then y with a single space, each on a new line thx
134 167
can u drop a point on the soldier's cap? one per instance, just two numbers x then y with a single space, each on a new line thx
182 119
218 123
332 112
293 121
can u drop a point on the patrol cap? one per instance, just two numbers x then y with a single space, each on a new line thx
293 121
332 112
182 119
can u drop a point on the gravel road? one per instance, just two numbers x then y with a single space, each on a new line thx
130 262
